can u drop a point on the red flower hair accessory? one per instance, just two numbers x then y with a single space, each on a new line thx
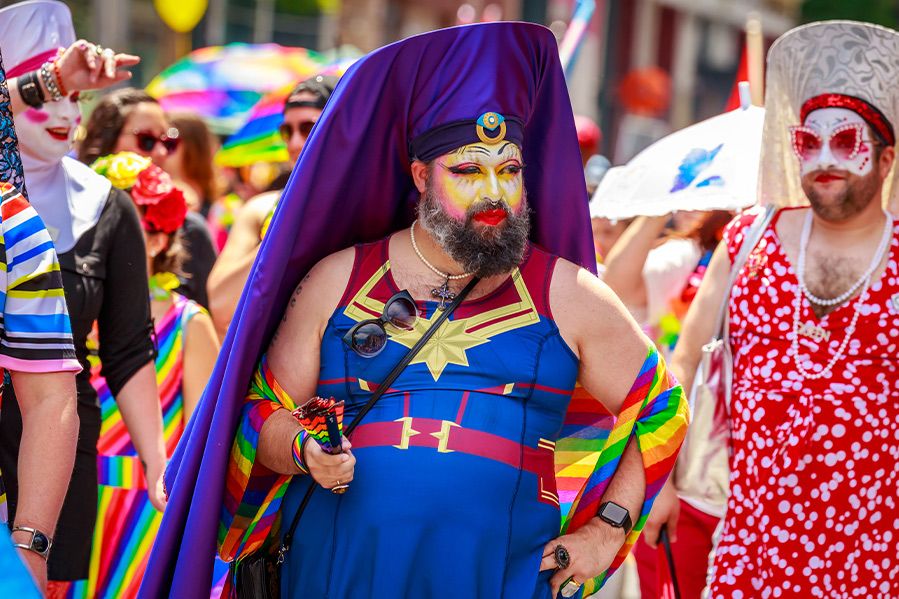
151 186
162 204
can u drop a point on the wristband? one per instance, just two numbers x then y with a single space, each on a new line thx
50 82
298 449
30 89
40 543
58 74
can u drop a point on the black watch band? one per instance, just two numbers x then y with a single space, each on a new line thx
30 89
616 516
39 543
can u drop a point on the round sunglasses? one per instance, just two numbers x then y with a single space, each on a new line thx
304 128
368 338
845 141
146 140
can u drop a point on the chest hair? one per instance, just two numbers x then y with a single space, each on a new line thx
829 275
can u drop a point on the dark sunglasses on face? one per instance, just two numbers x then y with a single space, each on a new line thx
147 141
368 338
304 127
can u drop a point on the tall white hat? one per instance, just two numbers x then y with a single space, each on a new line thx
31 33
831 63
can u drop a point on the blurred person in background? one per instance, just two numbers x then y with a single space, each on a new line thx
191 163
188 346
656 274
606 233
130 120
226 281
98 237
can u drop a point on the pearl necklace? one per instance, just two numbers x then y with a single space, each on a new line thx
836 301
801 290
443 292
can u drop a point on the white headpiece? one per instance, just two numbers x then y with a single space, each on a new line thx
67 195
844 58
39 28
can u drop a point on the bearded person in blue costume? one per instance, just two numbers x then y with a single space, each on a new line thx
444 161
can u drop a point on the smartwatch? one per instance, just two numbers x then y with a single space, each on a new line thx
40 543
616 516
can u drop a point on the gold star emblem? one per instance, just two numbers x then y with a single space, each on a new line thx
454 337
447 346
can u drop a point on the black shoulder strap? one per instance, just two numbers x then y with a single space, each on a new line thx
382 388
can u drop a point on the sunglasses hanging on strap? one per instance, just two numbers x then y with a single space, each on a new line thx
258 576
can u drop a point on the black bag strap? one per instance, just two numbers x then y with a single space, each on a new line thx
665 540
382 388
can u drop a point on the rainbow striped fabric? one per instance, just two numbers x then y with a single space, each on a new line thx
35 333
655 414
252 492
126 521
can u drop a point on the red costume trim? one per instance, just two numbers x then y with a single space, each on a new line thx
872 115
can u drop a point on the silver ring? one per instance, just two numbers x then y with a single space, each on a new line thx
98 50
570 588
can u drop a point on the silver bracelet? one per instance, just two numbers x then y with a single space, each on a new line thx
49 80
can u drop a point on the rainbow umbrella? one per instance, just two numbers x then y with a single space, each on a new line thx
258 139
223 83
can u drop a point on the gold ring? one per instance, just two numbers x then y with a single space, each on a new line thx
339 489
570 587
98 49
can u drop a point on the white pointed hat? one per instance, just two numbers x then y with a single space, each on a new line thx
846 64
31 33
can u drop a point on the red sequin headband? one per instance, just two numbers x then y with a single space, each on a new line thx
864 109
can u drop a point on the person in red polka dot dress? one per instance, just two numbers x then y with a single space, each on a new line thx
814 331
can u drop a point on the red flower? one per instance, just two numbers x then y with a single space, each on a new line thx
166 214
151 186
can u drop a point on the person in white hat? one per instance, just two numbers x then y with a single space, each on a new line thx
814 331
98 236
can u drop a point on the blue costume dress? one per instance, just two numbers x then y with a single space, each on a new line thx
454 492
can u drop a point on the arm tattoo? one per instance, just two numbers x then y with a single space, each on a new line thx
290 306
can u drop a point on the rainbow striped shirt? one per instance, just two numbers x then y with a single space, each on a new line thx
35 332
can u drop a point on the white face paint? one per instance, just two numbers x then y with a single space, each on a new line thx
825 121
45 134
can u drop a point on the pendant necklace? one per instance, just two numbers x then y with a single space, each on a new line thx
443 292
864 282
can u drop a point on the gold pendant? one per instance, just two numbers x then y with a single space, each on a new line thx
814 332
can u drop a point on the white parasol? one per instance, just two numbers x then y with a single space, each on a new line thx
712 165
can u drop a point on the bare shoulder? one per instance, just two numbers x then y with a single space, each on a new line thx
201 330
583 306
260 205
315 297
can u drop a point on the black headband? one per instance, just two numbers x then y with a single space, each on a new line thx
490 127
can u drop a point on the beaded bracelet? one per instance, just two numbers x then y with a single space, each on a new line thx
298 449
58 74
50 83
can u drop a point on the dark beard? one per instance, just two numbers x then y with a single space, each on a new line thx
852 201
480 250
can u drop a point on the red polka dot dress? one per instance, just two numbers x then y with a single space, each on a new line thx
814 506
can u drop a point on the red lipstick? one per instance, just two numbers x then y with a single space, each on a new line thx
827 178
490 217
59 133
